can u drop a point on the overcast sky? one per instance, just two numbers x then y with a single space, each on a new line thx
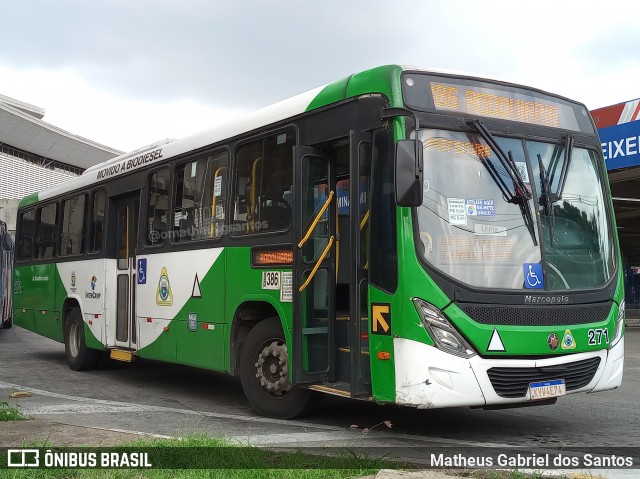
126 73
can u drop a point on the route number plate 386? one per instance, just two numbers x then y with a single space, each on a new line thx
547 389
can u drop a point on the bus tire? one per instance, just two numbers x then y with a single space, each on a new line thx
264 373
79 357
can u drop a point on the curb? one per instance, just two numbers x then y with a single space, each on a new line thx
632 322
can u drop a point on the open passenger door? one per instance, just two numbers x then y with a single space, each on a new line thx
330 287
314 278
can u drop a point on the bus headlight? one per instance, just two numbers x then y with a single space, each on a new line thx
617 335
442 332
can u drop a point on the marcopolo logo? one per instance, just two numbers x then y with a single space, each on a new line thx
529 298
93 294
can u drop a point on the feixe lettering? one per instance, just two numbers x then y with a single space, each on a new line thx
130 163
546 299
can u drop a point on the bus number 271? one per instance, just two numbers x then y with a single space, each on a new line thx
598 336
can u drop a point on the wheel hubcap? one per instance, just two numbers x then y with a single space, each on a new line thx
272 367
74 340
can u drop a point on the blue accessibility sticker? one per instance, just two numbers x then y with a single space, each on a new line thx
533 278
142 271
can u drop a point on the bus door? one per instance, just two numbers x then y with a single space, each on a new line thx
127 213
360 163
314 278
330 327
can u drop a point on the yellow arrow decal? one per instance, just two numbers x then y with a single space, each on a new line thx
381 314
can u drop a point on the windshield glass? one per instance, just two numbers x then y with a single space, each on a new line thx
578 244
470 230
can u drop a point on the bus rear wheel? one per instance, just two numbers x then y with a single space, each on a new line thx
79 357
264 373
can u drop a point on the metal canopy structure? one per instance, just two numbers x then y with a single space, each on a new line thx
21 127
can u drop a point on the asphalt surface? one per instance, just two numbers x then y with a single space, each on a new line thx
163 399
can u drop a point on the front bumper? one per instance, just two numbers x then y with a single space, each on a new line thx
429 378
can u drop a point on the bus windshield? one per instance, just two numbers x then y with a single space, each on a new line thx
472 231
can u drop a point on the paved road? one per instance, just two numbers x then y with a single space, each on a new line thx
174 400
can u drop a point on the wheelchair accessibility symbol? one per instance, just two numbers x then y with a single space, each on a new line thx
142 271
533 278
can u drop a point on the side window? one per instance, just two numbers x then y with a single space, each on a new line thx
46 231
73 231
97 221
263 185
27 222
200 197
158 207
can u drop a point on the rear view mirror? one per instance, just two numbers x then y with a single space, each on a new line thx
408 182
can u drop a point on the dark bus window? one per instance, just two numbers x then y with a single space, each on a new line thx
264 177
97 221
158 207
27 222
73 232
383 252
200 196
46 231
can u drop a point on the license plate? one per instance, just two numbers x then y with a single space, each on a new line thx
547 389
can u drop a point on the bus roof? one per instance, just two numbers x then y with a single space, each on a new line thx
383 80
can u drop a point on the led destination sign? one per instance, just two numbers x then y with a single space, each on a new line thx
489 103
484 99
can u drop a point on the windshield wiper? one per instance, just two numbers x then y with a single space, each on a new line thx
546 197
568 150
521 194
520 189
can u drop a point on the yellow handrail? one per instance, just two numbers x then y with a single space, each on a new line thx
364 220
213 201
315 221
315 268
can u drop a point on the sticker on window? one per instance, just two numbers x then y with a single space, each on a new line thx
489 230
457 212
217 186
533 276
480 208
521 166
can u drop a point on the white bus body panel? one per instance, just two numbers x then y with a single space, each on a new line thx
429 378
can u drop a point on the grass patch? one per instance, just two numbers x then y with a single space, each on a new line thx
10 413
217 458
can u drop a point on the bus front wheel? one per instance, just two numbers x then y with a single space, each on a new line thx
264 373
79 357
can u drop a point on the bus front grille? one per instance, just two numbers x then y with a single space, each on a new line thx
514 382
537 316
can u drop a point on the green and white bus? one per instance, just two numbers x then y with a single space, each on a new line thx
402 236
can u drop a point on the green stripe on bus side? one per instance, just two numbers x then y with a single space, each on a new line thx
90 340
35 299
229 284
